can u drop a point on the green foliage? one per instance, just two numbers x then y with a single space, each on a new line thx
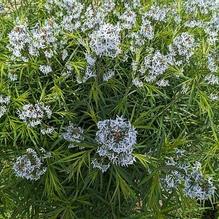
164 117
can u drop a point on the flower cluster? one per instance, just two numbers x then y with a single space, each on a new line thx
212 79
69 13
47 130
213 62
132 4
156 64
146 31
153 66
45 69
92 18
139 38
4 101
73 134
29 166
90 69
106 40
108 75
105 37
33 114
197 186
12 77
25 42
202 6
157 13
183 46
213 97
136 82
189 175
127 19
211 28
87 59
100 165
18 39
116 139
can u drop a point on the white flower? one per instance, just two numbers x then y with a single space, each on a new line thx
45 154
211 28
73 134
47 131
12 77
132 4
180 153
40 38
68 13
137 40
184 45
212 79
128 19
90 60
89 73
203 6
64 54
137 82
212 63
29 165
157 13
4 101
147 30
108 5
3 110
188 175
214 97
201 189
116 139
45 69
154 65
100 165
194 23
108 75
33 114
48 54
159 64
19 38
92 17
162 83
170 182
117 135
106 40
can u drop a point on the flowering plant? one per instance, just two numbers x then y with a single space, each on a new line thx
109 109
